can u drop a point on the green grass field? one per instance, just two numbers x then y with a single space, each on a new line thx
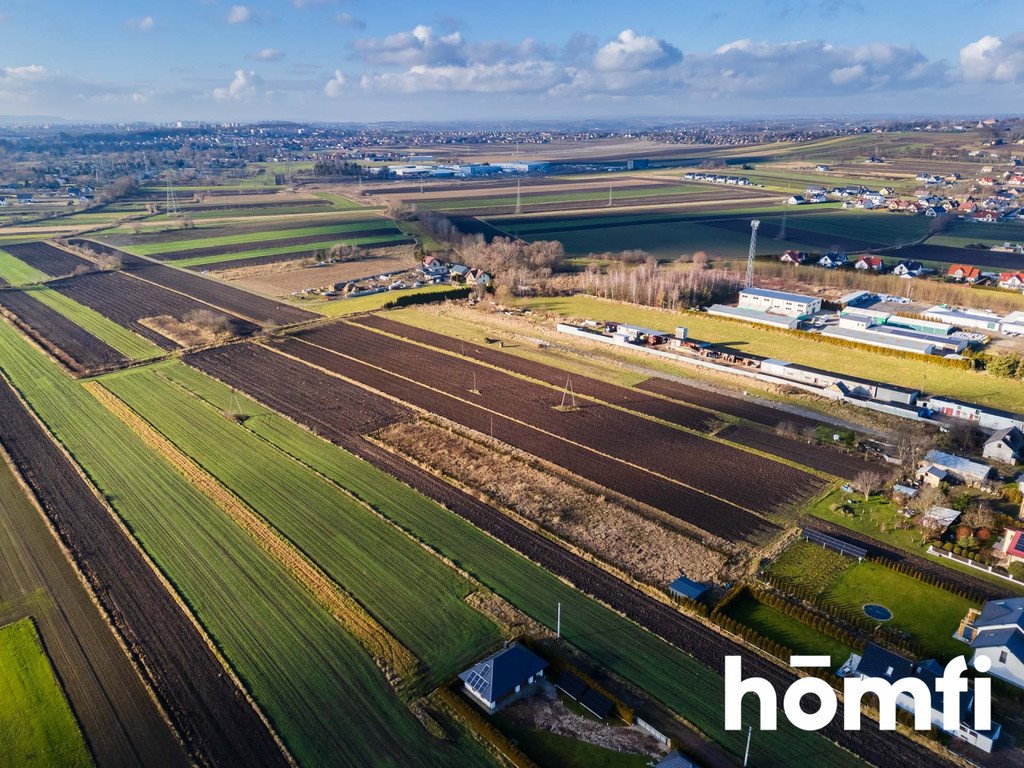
342 203
284 250
793 634
36 723
928 614
120 338
323 693
618 194
418 599
146 249
17 272
974 386
668 674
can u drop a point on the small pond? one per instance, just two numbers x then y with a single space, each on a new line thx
878 612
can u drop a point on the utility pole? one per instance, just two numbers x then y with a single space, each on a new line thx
782 229
558 622
746 755
749 282
519 201
609 195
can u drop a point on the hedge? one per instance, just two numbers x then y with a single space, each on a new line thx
480 725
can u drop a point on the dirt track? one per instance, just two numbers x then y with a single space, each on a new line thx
212 715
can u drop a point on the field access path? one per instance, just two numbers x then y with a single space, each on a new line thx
212 715
343 412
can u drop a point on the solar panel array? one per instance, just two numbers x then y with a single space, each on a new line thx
478 682
831 542
1017 547
597 703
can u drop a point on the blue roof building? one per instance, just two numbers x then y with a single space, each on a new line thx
684 587
503 677
675 759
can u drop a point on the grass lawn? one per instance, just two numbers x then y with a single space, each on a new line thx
929 614
303 669
665 672
120 338
549 750
418 598
786 630
974 386
17 272
36 723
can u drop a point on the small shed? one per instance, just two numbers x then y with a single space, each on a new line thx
675 759
687 588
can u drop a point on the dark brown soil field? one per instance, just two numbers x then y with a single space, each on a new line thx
678 411
978 257
81 350
379 231
120 721
216 721
734 406
215 293
47 258
126 300
695 461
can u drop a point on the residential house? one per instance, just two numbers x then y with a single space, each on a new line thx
997 630
459 272
908 269
985 217
821 168
833 260
869 263
793 257
877 662
503 677
963 273
478 277
796 200
1012 280
932 476
1006 446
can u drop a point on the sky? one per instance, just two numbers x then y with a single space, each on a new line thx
454 60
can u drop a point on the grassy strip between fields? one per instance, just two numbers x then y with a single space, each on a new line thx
120 338
146 249
37 726
305 671
974 386
338 201
648 662
17 272
417 598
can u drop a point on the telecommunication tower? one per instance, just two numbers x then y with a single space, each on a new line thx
749 282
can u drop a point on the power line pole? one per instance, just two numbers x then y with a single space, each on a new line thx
519 199
746 755
749 281
609 195
172 201
558 622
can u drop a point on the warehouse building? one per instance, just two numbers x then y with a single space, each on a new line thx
981 319
779 302
850 386
755 316
987 418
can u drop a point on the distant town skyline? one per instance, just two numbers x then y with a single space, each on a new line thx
354 60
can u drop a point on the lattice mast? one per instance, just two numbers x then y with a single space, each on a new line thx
749 281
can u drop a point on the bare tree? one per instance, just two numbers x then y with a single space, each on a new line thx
867 482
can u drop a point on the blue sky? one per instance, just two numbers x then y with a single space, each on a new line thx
359 60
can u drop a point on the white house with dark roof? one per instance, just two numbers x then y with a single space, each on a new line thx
1006 446
997 631
503 677
878 662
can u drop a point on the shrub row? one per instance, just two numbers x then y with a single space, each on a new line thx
820 621
427 297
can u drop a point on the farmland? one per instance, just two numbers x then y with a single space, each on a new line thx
424 607
304 671
14 271
47 258
36 724
121 721
652 664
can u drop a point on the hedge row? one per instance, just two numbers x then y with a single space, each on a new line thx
822 622
427 297
480 725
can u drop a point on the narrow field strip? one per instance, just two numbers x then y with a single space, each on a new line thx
284 250
165 248
395 660
14 271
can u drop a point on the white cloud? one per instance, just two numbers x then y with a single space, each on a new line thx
268 54
417 46
245 85
508 77
845 75
300 4
345 19
336 85
993 59
239 14
145 25
630 52
26 73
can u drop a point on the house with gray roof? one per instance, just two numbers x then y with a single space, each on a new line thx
997 631
959 468
1006 446
503 677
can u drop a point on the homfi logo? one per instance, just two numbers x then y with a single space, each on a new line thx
909 693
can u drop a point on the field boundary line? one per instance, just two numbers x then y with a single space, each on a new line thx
396 661
136 664
161 577
688 430
501 416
